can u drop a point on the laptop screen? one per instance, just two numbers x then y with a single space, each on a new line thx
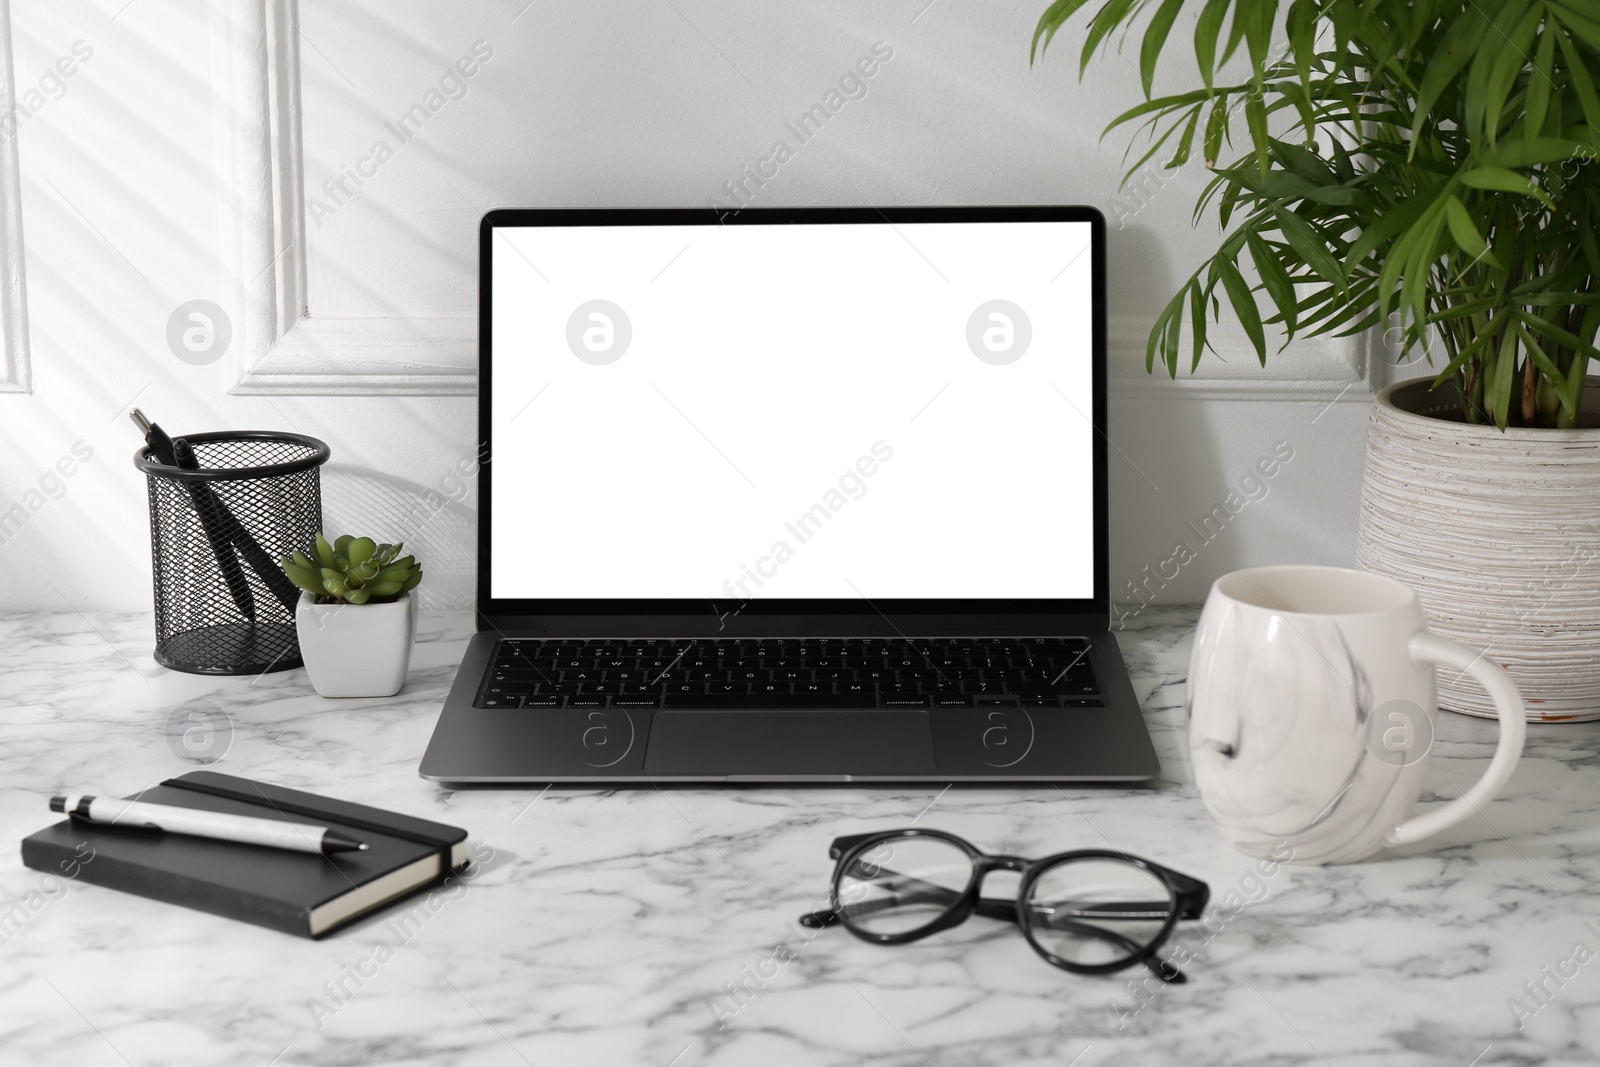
816 411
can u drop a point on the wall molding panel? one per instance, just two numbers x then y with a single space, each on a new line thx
283 347
15 370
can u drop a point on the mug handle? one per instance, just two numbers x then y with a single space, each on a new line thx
1426 648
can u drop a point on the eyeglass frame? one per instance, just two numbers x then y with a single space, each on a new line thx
1189 897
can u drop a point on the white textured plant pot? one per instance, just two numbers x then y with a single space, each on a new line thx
1499 533
356 650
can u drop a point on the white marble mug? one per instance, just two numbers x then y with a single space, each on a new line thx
1311 708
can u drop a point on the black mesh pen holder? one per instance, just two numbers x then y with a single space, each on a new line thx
223 604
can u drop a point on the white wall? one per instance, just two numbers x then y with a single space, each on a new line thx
155 175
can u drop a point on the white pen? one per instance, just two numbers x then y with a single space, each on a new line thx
274 833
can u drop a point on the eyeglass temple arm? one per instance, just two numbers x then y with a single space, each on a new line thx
919 891
988 907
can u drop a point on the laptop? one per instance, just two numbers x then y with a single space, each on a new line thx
792 495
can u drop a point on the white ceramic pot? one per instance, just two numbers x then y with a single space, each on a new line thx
1499 534
356 650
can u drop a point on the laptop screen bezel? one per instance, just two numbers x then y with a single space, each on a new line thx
691 616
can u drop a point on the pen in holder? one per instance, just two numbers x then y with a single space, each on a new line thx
224 508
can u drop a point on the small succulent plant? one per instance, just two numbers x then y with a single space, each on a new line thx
352 570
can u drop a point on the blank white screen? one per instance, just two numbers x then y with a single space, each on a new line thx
798 412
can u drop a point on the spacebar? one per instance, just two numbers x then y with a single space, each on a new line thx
773 700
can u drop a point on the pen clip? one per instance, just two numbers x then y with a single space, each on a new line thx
80 820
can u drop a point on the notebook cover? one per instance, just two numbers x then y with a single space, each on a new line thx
268 886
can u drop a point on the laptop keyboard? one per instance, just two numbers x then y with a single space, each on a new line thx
937 672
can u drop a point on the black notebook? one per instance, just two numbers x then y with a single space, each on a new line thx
297 892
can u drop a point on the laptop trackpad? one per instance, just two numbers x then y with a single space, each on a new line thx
820 744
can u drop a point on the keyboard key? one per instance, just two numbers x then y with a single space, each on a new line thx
586 702
1065 688
905 701
512 689
541 702
635 702
773 700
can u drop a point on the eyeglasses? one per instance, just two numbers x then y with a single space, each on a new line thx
1090 912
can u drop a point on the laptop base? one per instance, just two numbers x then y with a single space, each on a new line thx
616 744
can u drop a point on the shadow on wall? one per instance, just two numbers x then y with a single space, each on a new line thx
437 525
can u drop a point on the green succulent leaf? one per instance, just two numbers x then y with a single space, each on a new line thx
341 546
361 550
324 551
385 588
411 582
304 577
358 596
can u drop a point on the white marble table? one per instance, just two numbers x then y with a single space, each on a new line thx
607 924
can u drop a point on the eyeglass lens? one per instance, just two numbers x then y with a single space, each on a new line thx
1097 911
902 884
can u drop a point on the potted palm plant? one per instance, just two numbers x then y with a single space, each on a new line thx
1428 168
355 619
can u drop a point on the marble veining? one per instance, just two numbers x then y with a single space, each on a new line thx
655 927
